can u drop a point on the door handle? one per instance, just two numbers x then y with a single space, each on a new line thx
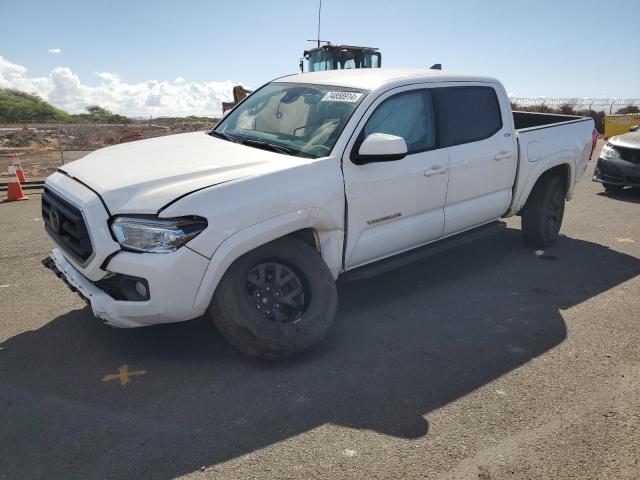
435 170
503 155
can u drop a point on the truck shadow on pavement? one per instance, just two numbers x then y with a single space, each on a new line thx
405 343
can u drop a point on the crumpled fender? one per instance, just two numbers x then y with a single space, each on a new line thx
330 236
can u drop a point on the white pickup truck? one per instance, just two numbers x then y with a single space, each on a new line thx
312 176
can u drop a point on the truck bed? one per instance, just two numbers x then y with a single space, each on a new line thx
546 140
526 120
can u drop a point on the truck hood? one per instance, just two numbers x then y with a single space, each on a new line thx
144 176
626 140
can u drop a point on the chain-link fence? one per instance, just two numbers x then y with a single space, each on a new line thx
609 106
596 108
43 147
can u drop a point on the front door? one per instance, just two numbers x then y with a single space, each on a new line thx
396 205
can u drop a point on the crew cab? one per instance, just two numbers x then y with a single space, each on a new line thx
312 176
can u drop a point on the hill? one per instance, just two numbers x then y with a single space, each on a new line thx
20 106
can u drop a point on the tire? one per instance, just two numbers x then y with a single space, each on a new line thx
276 301
610 187
542 214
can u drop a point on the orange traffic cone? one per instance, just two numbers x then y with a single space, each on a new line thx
14 190
18 166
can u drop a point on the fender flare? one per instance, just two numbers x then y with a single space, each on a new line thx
233 247
562 158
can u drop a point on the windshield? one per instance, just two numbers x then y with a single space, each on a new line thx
297 119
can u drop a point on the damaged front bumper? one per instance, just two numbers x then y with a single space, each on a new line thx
617 172
104 307
169 304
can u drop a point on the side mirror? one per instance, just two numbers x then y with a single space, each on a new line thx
381 147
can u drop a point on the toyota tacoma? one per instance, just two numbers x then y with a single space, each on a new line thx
310 177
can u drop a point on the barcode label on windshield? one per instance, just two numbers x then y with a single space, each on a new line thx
351 97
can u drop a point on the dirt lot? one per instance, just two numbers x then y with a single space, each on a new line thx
492 361
39 165
38 146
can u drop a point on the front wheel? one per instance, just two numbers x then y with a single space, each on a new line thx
276 300
542 214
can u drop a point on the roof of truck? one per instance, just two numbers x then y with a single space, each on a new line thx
372 78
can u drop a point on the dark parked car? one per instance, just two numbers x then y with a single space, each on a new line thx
619 162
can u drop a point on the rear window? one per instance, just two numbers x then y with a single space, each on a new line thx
467 114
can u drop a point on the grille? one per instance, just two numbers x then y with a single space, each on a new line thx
629 154
65 224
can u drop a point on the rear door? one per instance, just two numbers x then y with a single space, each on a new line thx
395 205
477 127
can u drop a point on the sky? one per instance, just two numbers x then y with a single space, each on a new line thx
179 58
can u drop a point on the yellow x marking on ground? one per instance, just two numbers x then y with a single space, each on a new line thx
123 375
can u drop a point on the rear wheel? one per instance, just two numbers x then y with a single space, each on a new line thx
542 214
276 301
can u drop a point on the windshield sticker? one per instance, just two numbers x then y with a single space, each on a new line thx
350 97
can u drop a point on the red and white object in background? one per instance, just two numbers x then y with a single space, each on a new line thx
18 168
594 141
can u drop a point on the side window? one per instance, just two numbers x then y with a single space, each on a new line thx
467 114
408 115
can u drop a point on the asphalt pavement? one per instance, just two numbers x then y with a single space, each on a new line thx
490 361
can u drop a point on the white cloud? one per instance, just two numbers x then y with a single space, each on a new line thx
109 77
55 51
64 89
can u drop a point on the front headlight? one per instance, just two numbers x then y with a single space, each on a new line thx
609 153
156 235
